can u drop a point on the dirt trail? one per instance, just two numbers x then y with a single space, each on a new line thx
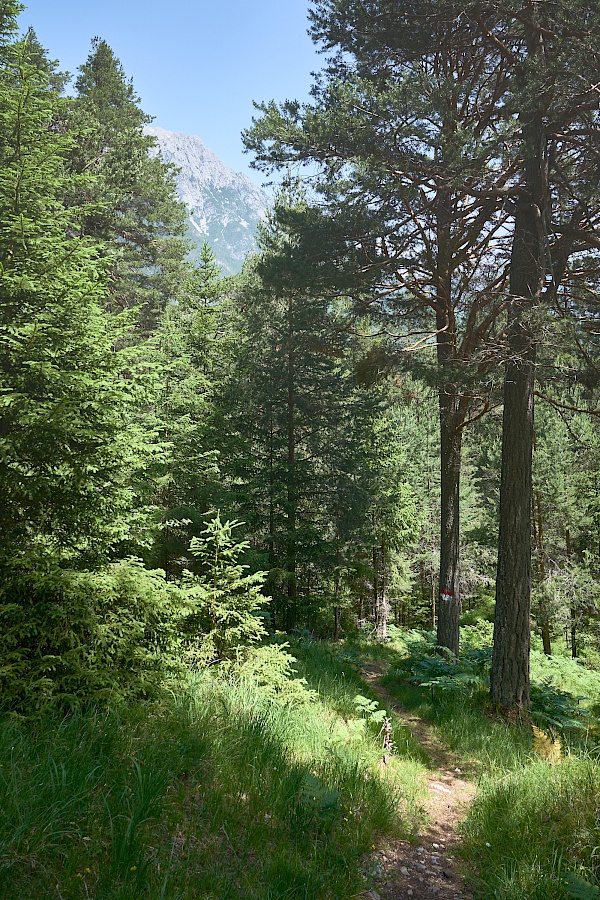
425 869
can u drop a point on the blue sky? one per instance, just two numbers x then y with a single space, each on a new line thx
197 65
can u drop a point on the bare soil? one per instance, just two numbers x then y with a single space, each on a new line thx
425 869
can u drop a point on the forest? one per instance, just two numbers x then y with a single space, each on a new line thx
300 568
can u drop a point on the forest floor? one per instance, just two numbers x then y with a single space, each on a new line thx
425 869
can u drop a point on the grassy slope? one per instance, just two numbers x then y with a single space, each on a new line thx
215 792
531 821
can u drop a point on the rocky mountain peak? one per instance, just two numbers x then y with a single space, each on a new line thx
224 206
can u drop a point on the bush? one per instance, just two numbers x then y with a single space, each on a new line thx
72 636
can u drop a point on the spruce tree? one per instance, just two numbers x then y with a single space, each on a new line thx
131 196
61 402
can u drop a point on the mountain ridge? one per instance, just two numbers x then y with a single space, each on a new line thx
224 206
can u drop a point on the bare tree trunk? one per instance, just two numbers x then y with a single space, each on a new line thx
448 623
272 512
572 605
449 606
292 598
510 660
544 612
337 611
381 603
375 590
528 264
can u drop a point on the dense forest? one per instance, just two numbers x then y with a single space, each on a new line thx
255 527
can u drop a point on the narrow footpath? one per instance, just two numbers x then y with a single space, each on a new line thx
425 869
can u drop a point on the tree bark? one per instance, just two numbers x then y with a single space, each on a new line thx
448 618
449 605
545 623
510 658
528 263
572 605
292 499
381 603
337 610
375 589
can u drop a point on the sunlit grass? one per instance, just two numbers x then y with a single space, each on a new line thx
532 823
214 792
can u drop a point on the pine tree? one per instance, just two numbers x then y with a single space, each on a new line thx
456 144
409 217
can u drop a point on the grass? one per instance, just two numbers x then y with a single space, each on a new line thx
527 828
225 789
216 792
533 832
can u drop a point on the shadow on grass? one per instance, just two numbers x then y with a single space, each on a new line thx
215 792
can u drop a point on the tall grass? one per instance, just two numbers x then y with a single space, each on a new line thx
533 831
213 792
528 828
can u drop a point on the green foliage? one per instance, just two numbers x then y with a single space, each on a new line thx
369 709
579 888
150 800
62 404
528 827
435 668
320 805
555 710
72 637
551 708
273 669
226 599
132 205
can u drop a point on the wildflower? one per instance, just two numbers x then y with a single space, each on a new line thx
133 868
79 875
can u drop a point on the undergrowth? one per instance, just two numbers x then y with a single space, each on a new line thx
221 790
533 830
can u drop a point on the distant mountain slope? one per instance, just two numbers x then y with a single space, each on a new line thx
225 207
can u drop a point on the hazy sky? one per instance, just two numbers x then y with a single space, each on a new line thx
197 65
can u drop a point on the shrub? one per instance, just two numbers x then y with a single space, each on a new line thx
72 636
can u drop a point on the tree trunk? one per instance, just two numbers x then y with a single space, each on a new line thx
337 610
510 659
528 263
381 603
540 539
572 605
448 617
375 589
292 599
449 607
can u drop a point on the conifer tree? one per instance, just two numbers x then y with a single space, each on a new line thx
60 459
457 144
409 218
133 207
194 352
